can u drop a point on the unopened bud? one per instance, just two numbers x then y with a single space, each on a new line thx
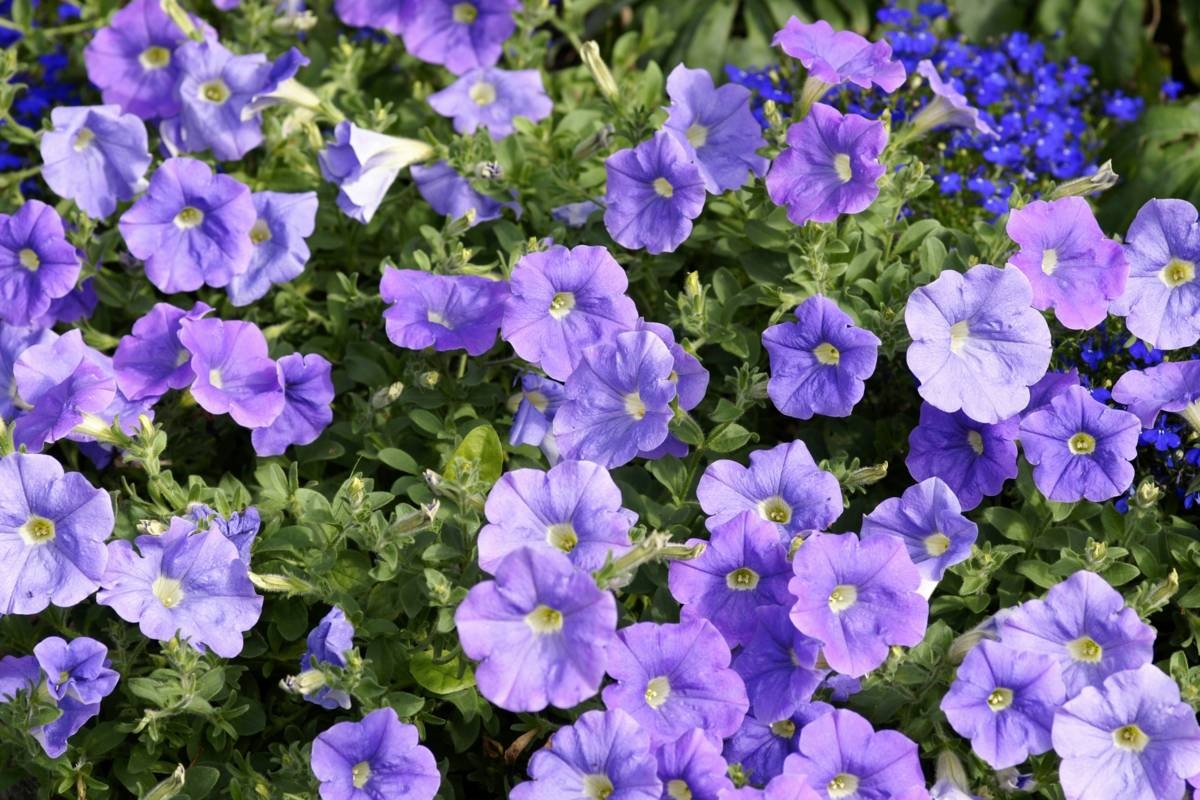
168 788
1103 178
590 53
307 682
287 584
387 395
429 380
595 143
1148 494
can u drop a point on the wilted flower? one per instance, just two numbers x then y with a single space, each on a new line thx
453 196
328 643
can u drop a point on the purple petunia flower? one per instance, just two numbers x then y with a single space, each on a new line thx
375 758
284 221
690 379
574 508
857 599
1129 739
1084 625
194 585
618 400
307 398
537 405
1163 292
192 227
575 215
328 643
836 57
37 263
14 341
542 632
61 383
977 344
841 755
1073 267
241 528
654 192
1004 700
973 458
445 312
453 196
76 305
459 35
52 531
1173 386
783 484
96 156
717 125
1080 448
672 678
78 669
493 98
692 767
778 665
383 15
563 300
604 754
820 362
150 361
762 747
830 166
744 566
928 519
948 108
364 164
233 373
1051 385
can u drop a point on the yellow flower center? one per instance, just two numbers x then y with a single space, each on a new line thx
168 591
1082 444
958 336
663 187
841 785
544 619
437 318
214 91
36 530
976 442
1130 737
538 400
784 728
154 57
841 165
1049 261
260 233
483 93
562 535
999 699
742 579
597 787
215 379
697 135
634 406
842 597
561 304
29 259
775 509
1177 272
83 139
1085 649
360 774
677 789
657 691
827 354
464 13
937 543
188 217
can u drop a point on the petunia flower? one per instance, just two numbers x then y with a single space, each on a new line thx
841 756
37 263
1084 625
654 192
716 123
744 566
819 364
778 665
96 156
328 643
562 301
52 531
575 215
761 746
542 632
194 585
14 340
60 384
282 224
233 373
459 35
928 519
1128 739
1172 386
240 527
1163 292
689 375
307 398
574 508
947 109
492 98
977 345
537 404
857 599
603 754
375 758
674 677
836 57
79 669
364 164
150 360
1050 386
618 400
783 485
1080 448
1004 700
692 767
383 15
445 312
75 306
973 458
453 196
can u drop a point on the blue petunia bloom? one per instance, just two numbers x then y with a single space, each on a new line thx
492 98
928 519
654 192
233 374
445 312
78 669
14 340
459 35
37 263
537 404
284 221
96 156
384 15
377 757
840 754
151 360
307 405
692 766
60 384
452 195
328 643
778 665
364 164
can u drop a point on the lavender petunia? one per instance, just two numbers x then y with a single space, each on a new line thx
151 360
692 767
841 756
836 57
96 156
928 519
61 384
52 531
857 599
830 166
537 405
384 15
37 263
717 125
675 677
1173 386
654 192
761 747
575 215
328 643
194 585
233 373
307 405
241 528
820 362
364 164
378 757
459 35
492 98
977 344
689 375
1051 385
453 196
948 108
74 306
79 669
445 312
284 221
778 665
26 675
574 508
542 632
973 458
1080 448
14 341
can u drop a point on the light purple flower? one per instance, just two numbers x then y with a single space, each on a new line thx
783 484
692 767
453 196
194 585
761 746
1051 385
820 362
574 508
948 108
1129 739
836 57
37 263
459 35
74 306
1080 448
1084 625
857 599
654 192
604 754
689 375
618 400
241 528
328 643
284 221
233 373
744 566
445 312
364 164
150 361
307 399
542 632
537 404
378 757
575 215
14 341
493 98
61 383
928 519
977 344
1163 293
672 678
52 531
78 669
973 458
841 755
96 156
1173 386
717 125
384 15
778 665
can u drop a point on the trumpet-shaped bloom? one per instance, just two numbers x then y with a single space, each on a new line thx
762 746
364 164
778 665
837 57
233 373
62 382
307 400
928 519
284 221
96 156
378 757
384 15
453 196
973 458
151 360
14 341
328 643
692 767
445 312
78 669
37 263
1173 386
654 192
537 404
492 98
948 108
459 35
841 755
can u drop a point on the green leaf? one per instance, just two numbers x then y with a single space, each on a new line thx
200 780
399 460
440 678
1038 572
480 452
729 438
1010 523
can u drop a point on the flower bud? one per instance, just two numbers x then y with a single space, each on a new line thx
168 788
1103 178
287 584
590 53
